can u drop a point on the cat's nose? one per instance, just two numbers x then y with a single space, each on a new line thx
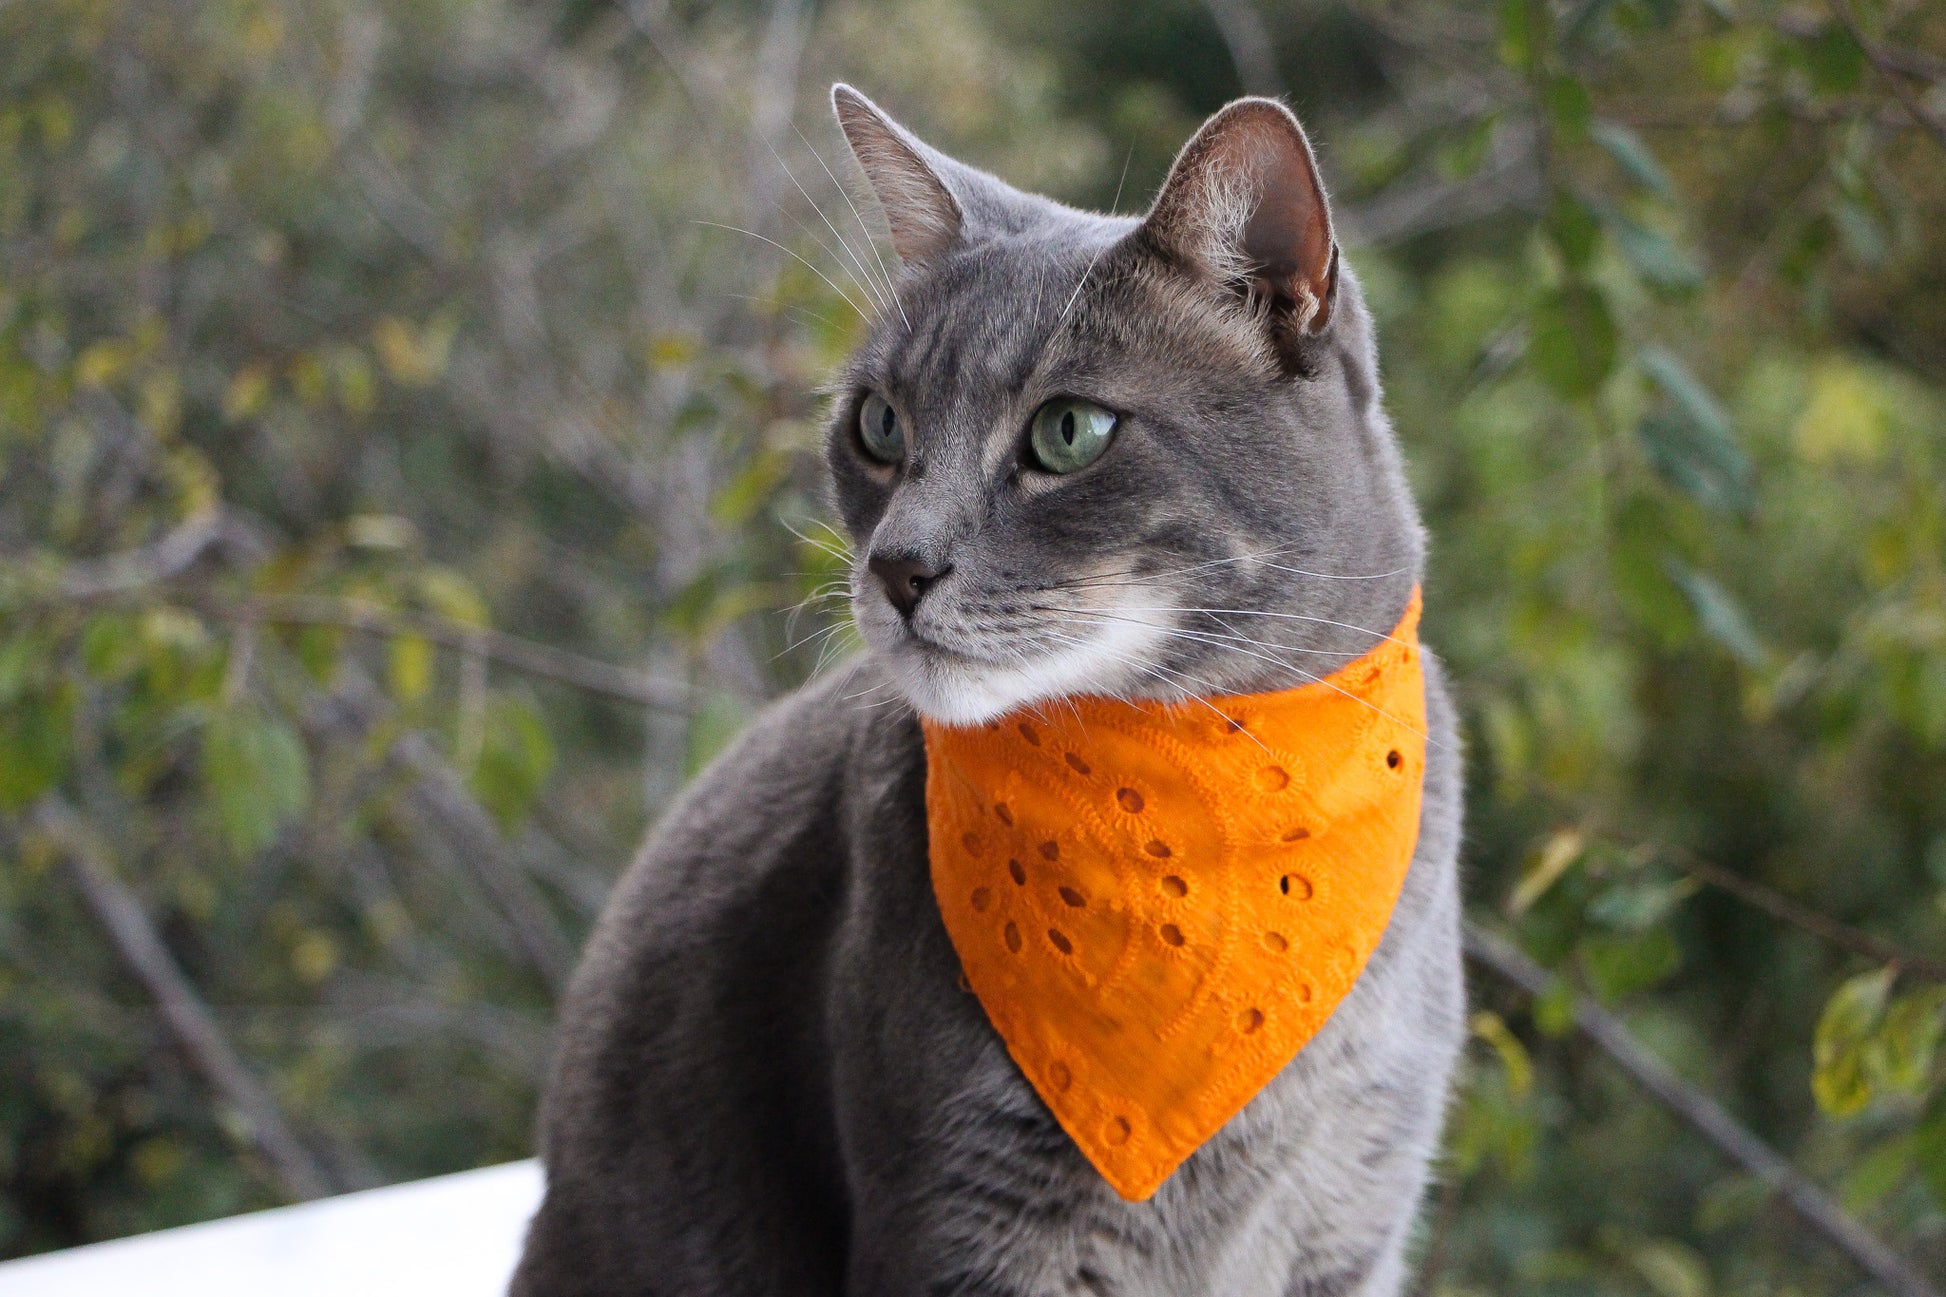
906 580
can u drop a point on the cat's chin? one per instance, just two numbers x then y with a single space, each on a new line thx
954 689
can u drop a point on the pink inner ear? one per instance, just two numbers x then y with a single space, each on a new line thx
1288 237
1254 153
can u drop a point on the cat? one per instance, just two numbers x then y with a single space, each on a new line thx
770 1078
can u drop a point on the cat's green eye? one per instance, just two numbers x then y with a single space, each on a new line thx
1069 435
879 430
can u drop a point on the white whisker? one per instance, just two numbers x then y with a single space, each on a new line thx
863 314
871 285
870 242
1100 252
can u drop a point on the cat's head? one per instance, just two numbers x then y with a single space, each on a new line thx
1086 454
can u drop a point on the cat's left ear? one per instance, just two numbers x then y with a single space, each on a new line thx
1244 206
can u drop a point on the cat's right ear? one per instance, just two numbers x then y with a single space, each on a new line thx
1244 206
909 178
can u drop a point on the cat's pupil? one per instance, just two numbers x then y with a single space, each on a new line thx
1067 427
886 420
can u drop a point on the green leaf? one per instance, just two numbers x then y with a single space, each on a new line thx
1638 566
516 758
1909 1038
1633 156
1619 966
1841 1079
1574 228
1694 446
1553 1009
1877 1174
1652 255
1556 856
1638 904
35 737
1573 345
256 773
1859 229
110 647
1929 1148
1571 108
1671 1269
1722 617
1695 401
1712 472
319 649
1464 154
743 495
1516 34
1832 57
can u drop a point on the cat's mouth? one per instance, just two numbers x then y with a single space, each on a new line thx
950 680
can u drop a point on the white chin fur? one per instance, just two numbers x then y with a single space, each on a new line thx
956 691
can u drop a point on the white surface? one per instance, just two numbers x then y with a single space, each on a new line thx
454 1236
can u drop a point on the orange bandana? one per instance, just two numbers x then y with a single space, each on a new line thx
1158 906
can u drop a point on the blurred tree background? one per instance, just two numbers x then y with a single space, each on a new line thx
408 477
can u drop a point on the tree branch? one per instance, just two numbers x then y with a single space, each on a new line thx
525 655
1892 71
1799 915
1249 43
171 554
1708 1118
189 1019
442 798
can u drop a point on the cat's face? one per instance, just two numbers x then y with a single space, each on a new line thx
1097 455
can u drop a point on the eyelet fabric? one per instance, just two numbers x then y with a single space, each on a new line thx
1158 905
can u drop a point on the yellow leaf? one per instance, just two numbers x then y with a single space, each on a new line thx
263 33
160 404
379 531
1493 1029
357 391
452 596
313 957
413 357
309 380
103 362
410 669
1847 416
1672 1269
245 396
1556 857
671 350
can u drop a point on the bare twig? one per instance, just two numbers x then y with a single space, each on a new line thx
189 1019
1892 71
441 797
1803 916
1248 41
1510 179
525 655
1708 1118
168 556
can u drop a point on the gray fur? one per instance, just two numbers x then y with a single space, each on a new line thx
769 1080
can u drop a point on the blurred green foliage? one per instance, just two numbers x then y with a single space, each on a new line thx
407 478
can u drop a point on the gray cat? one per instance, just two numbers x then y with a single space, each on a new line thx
1083 454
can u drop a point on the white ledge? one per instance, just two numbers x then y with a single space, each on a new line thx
453 1236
